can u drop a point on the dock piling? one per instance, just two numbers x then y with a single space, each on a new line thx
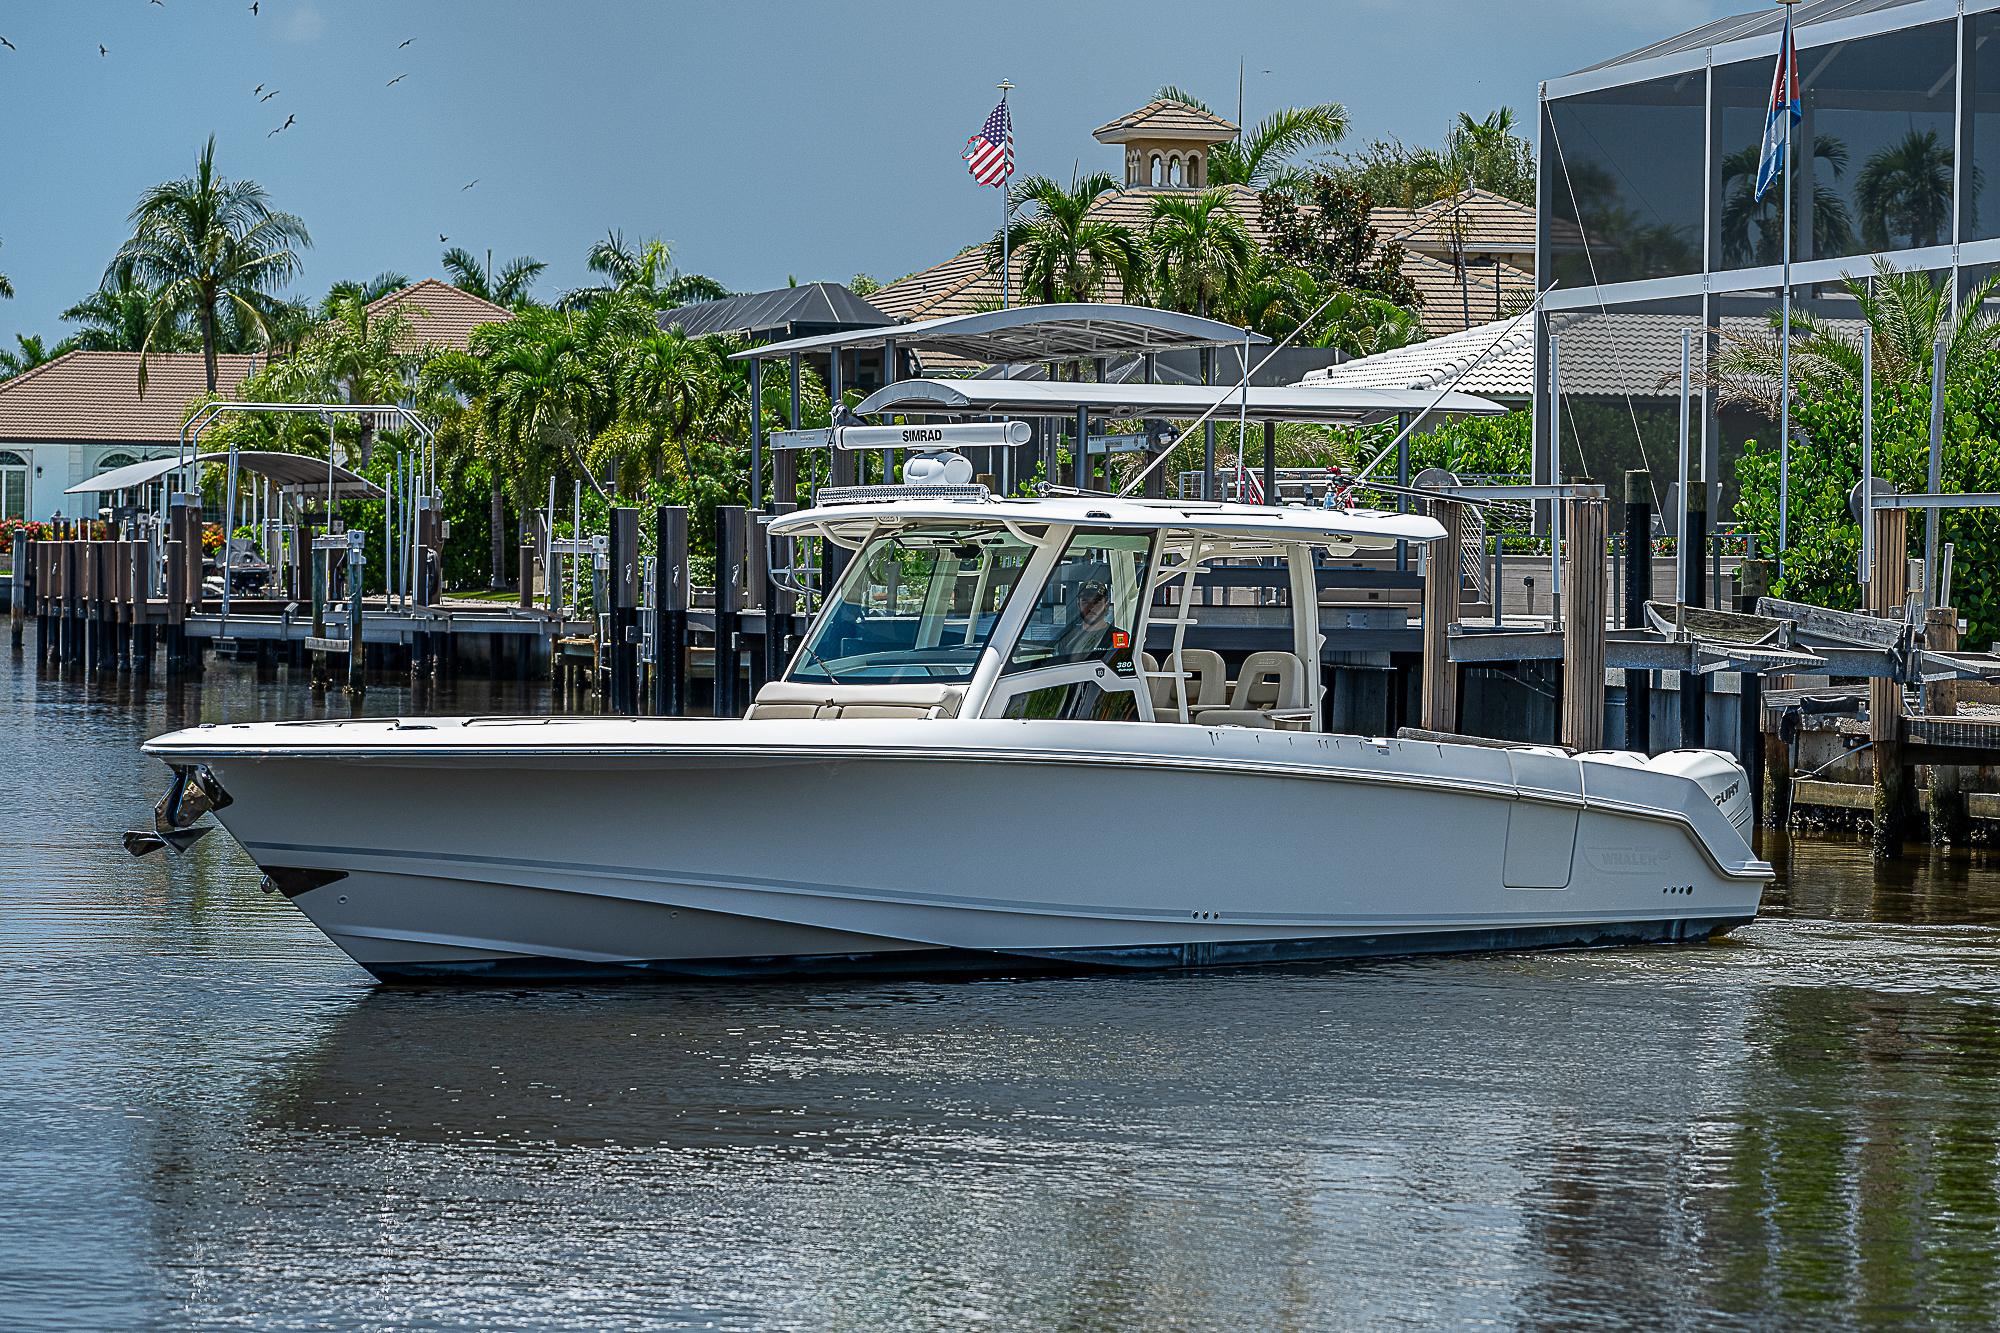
670 610
623 624
1694 577
1439 706
1583 622
1888 586
731 525
1638 591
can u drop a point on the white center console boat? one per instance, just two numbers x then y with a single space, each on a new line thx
994 748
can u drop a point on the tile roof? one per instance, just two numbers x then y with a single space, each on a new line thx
1508 373
968 281
1605 355
1479 220
1487 291
1163 118
440 314
94 397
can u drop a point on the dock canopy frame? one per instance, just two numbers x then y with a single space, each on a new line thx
1031 333
292 474
1339 406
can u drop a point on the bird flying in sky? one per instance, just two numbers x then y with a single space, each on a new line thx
469 184
9 45
253 7
405 42
268 96
282 128
101 51
398 79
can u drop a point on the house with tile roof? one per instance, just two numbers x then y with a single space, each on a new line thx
1471 257
82 413
440 314
1166 146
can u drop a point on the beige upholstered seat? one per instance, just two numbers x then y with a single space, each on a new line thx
1207 682
1269 682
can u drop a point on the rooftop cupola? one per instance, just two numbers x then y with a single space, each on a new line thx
1166 143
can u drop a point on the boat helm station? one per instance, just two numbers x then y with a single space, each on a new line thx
952 602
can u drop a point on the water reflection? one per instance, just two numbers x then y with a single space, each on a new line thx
208 1116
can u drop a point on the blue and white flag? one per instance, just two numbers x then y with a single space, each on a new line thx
1785 112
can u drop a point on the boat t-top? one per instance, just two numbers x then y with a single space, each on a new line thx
994 747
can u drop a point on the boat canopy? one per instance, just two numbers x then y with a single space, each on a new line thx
292 474
1031 333
1331 405
847 523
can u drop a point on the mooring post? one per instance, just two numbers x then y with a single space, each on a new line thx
756 589
18 590
1888 587
356 659
1638 591
624 623
1441 587
730 524
670 610
525 592
1694 538
1270 478
319 557
780 603
1753 580
1949 820
1583 622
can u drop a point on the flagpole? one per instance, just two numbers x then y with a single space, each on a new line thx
1785 332
1006 264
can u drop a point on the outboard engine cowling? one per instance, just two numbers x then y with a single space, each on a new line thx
1718 774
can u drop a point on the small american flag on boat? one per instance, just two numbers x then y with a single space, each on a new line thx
989 154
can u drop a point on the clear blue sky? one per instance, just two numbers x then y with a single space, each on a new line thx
762 139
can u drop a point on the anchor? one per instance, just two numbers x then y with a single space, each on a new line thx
195 792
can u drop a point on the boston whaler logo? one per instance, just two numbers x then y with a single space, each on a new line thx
1627 860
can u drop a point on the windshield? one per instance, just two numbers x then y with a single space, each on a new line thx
918 605
1088 611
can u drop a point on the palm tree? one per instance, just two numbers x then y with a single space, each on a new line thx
1200 251
1752 231
1262 158
31 351
1906 189
1064 253
365 290
509 288
117 318
670 382
203 242
1909 314
648 271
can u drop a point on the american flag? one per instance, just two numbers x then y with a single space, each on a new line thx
989 154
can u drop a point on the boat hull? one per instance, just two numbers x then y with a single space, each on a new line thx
743 848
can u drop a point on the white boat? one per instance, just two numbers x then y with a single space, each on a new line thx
972 763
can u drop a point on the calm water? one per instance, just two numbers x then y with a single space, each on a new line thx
209 1117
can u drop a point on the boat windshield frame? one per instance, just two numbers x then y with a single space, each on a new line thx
950 613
